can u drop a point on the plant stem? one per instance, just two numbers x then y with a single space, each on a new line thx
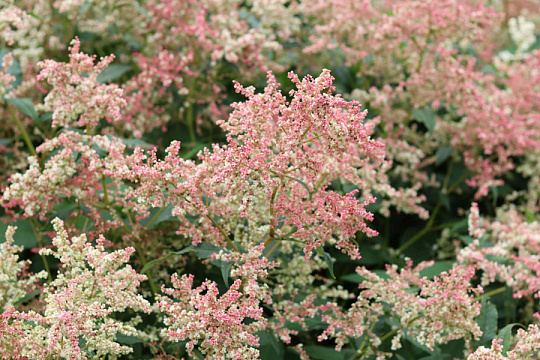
361 350
427 228
429 225
144 262
229 241
43 257
272 249
490 293
23 131
191 123
153 219
105 194
272 226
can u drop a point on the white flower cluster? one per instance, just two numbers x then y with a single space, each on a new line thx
21 31
522 34
12 286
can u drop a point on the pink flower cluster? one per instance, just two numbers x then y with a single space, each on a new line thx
217 325
79 303
527 345
74 172
196 43
77 99
5 78
512 257
416 45
279 159
432 311
451 86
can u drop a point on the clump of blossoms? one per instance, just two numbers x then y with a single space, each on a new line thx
20 31
205 42
77 99
440 310
216 323
5 78
75 172
81 302
418 56
522 34
100 15
527 345
274 172
13 284
394 41
512 255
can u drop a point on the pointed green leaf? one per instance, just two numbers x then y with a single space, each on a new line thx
443 153
323 353
158 215
437 268
128 339
327 259
203 251
506 335
24 236
113 72
487 321
27 297
25 106
301 183
154 262
225 271
427 117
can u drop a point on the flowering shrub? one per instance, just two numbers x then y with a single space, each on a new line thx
269 179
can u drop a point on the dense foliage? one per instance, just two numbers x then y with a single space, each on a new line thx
285 179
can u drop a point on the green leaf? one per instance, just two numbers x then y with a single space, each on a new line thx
113 72
506 335
354 278
316 323
132 142
382 274
427 117
128 339
63 210
27 297
489 69
467 240
284 236
270 348
487 321
443 153
25 106
323 353
163 214
225 269
301 183
203 251
437 268
206 200
195 150
412 340
445 200
4 142
327 259
530 216
24 236
155 261
45 117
